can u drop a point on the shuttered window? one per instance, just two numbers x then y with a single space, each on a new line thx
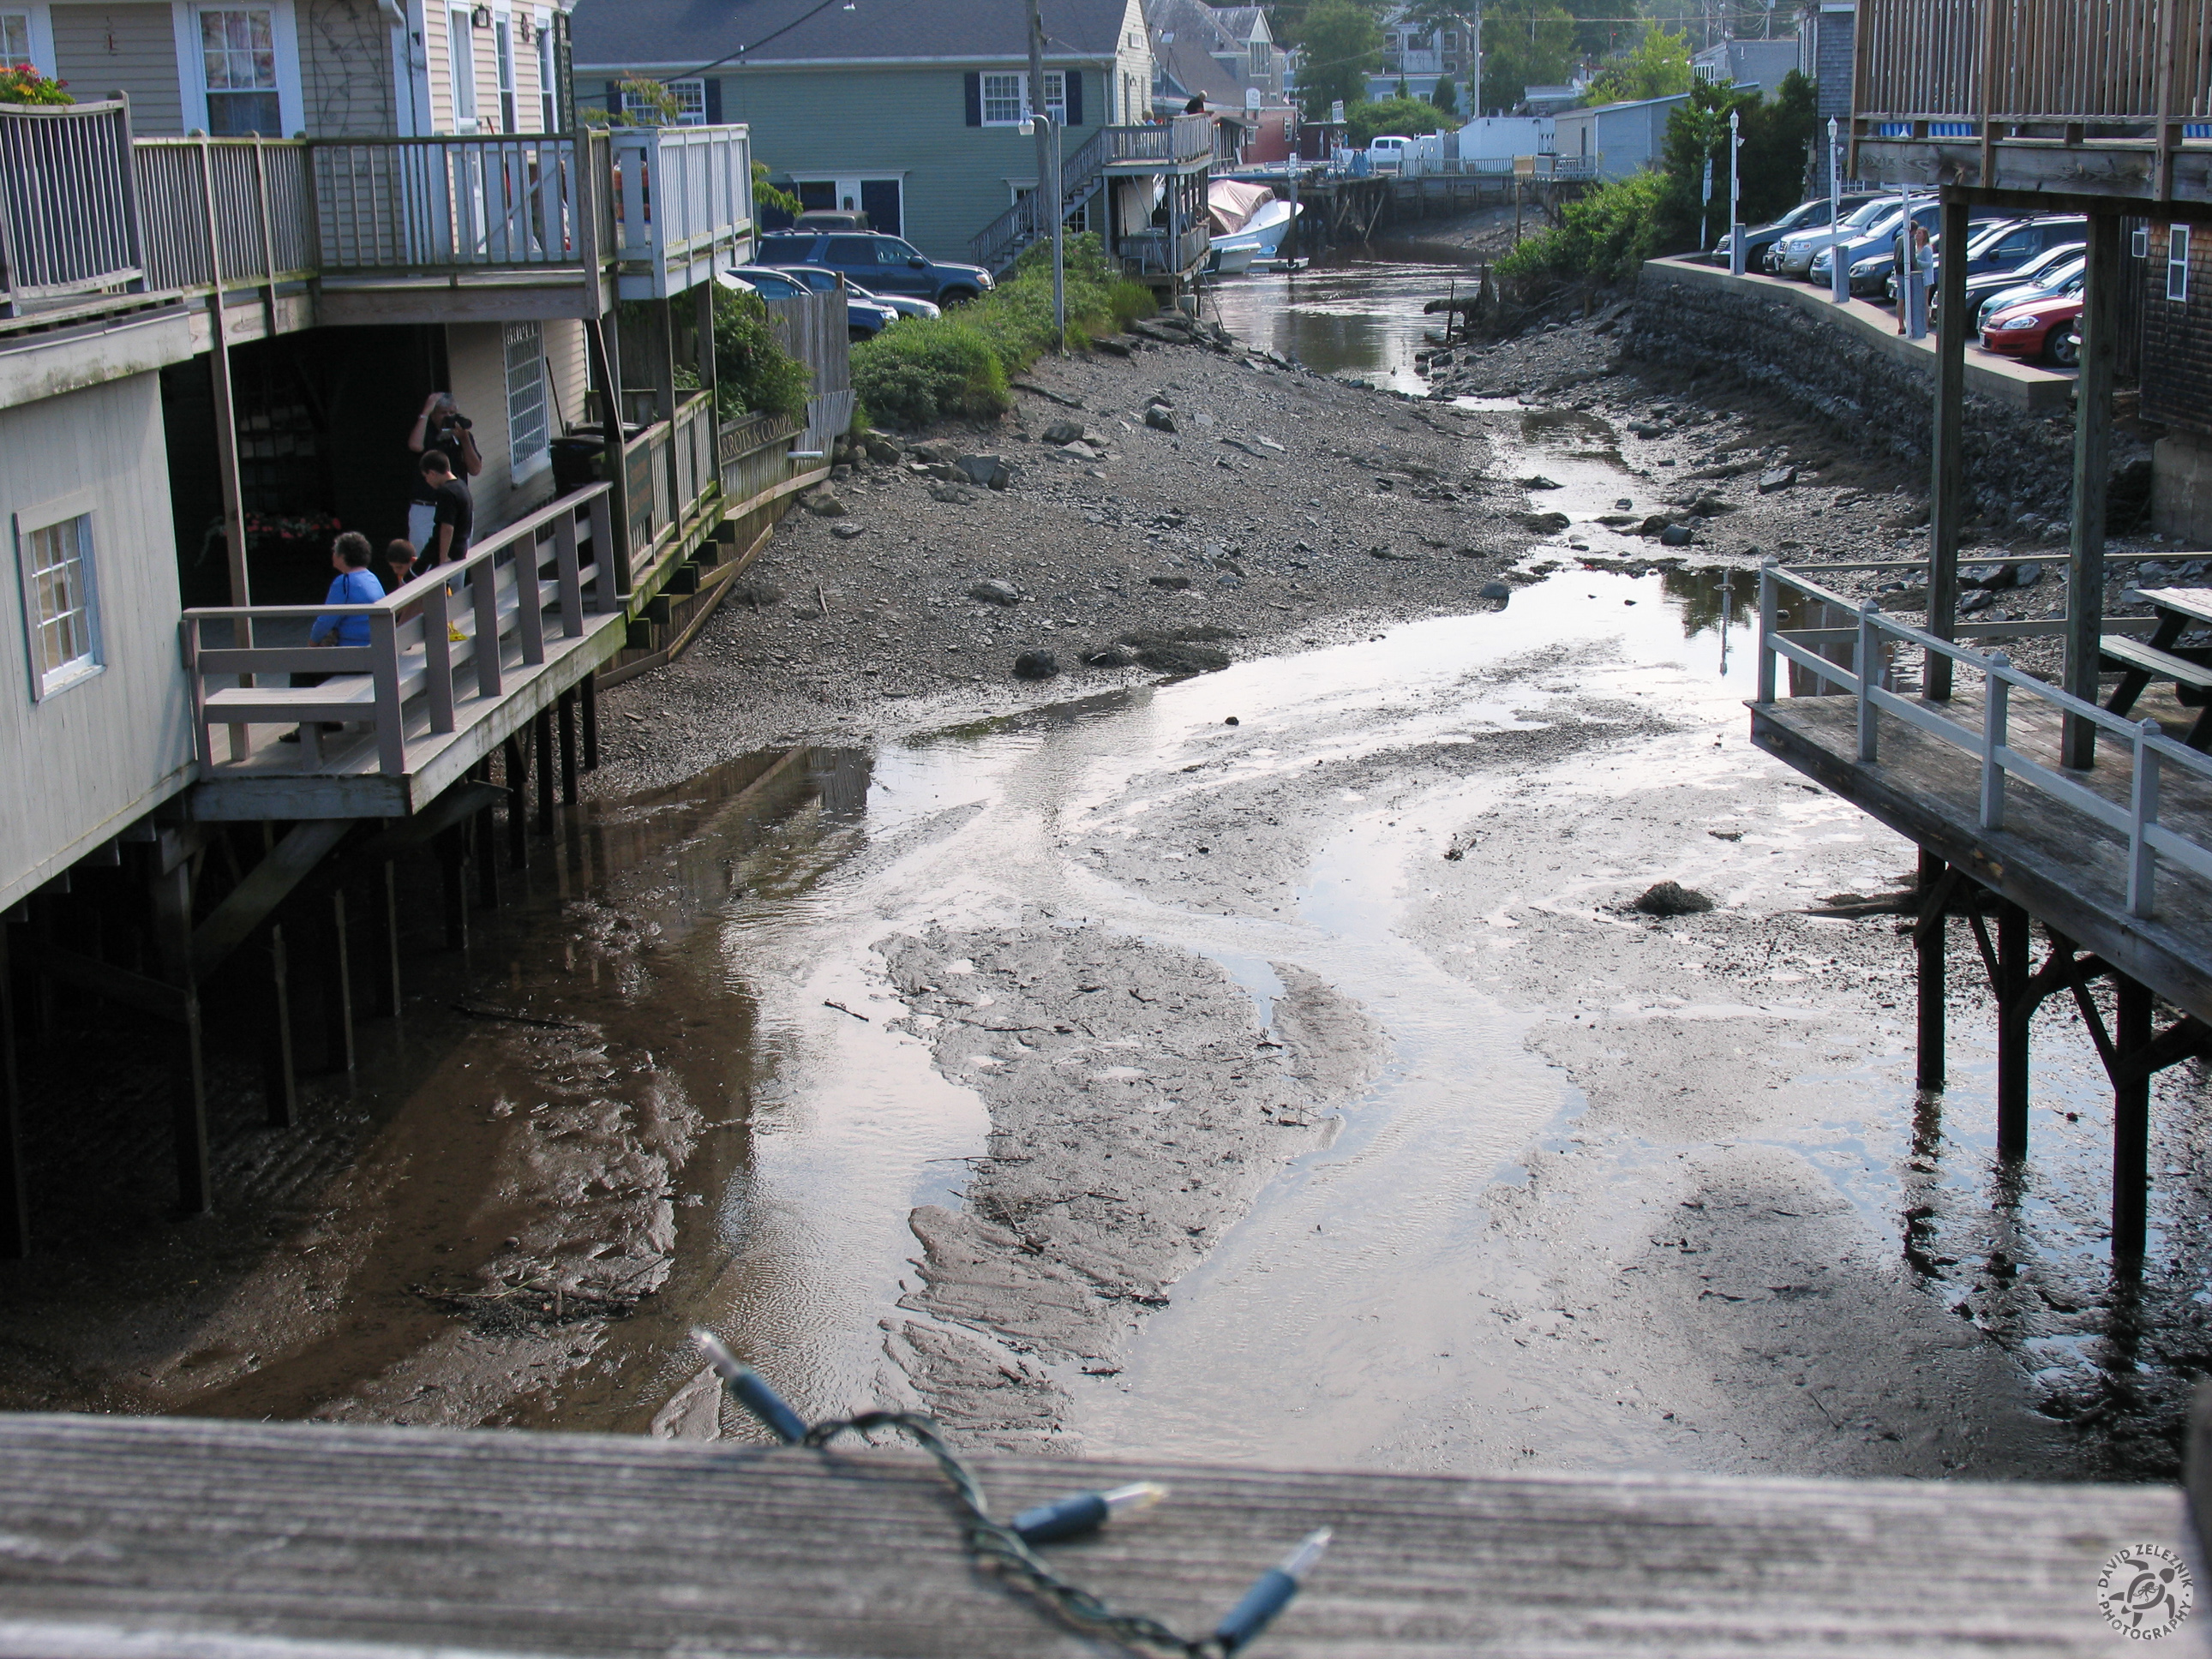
1002 100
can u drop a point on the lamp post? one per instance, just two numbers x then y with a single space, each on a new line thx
1736 194
1839 278
1049 187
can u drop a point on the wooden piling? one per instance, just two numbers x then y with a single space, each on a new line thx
452 865
1928 942
384 912
2015 1004
541 731
567 706
2130 1120
280 1086
171 892
14 1183
588 688
338 1053
2093 459
518 807
1948 492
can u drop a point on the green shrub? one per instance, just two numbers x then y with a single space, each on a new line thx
752 371
1605 237
22 83
920 371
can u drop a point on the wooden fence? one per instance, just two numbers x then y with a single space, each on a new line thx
2034 62
813 328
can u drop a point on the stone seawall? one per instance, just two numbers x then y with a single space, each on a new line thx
1874 389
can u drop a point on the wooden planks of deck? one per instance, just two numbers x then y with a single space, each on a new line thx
2057 863
139 1536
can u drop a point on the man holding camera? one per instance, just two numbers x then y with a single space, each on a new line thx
440 428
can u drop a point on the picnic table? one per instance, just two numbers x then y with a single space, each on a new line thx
2162 658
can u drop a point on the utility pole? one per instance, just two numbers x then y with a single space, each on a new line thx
1034 101
1047 127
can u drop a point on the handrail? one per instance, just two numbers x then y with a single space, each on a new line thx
68 220
2148 750
502 583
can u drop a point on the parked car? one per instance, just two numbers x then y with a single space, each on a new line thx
2051 280
864 319
888 265
1980 286
2049 327
1872 259
1999 249
823 280
1792 254
1759 240
1388 154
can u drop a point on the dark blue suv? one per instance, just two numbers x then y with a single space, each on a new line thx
881 264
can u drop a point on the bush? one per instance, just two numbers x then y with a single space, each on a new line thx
1605 237
22 83
752 371
1413 117
921 371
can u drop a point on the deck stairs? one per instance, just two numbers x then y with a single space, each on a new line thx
1082 176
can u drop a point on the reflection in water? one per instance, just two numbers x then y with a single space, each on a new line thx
1359 317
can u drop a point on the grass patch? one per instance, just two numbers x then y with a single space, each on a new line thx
923 370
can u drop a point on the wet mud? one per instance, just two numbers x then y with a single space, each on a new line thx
1266 1066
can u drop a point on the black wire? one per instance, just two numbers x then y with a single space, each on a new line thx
754 45
989 1540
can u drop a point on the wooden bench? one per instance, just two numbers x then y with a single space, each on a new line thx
2140 663
141 1536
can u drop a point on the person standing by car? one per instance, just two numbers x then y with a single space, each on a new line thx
441 427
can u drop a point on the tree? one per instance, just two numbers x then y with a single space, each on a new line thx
1658 67
1446 96
1775 135
1525 43
1411 116
1340 44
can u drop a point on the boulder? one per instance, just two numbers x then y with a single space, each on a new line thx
1675 535
1036 666
1081 450
847 531
943 453
1780 477
1159 418
1498 591
1652 525
1990 575
1538 481
992 591
1114 346
1671 898
823 502
1545 524
1710 507
951 495
1065 432
1111 656
1173 584
1173 656
882 452
991 472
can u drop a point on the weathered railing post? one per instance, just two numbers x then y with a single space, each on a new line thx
1766 610
2142 815
1995 715
391 714
438 656
1865 655
483 589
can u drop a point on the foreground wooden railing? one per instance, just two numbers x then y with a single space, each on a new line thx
69 224
542 579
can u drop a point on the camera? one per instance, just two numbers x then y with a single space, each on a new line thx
460 420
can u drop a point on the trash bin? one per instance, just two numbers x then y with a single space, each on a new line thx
575 462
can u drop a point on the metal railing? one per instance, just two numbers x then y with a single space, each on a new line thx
2033 61
68 222
1873 636
678 194
540 579
254 191
447 204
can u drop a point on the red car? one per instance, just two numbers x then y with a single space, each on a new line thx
2041 328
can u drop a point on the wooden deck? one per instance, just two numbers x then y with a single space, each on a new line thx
140 1536
2059 863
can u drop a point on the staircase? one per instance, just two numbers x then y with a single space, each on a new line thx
1082 176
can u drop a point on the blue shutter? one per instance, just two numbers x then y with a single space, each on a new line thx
714 100
1075 98
975 81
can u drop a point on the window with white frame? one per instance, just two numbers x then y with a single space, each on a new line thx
503 37
14 37
1055 95
461 54
2177 262
61 612
526 433
548 109
238 61
1002 100
691 98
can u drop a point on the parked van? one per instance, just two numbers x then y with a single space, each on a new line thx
1388 155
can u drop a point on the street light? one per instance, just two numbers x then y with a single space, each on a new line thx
1735 194
1057 208
1839 276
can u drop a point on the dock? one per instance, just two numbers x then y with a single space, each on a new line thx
135 1536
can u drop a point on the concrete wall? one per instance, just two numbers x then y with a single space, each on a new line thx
131 48
1873 386
90 758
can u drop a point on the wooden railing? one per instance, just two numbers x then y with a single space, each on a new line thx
239 204
994 246
679 193
667 469
2032 62
756 456
1149 251
541 579
1863 675
69 224
1186 139
446 204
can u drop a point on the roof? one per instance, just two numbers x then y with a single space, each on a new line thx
615 34
1245 22
1188 68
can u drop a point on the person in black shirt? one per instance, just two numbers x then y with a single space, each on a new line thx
452 513
443 428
